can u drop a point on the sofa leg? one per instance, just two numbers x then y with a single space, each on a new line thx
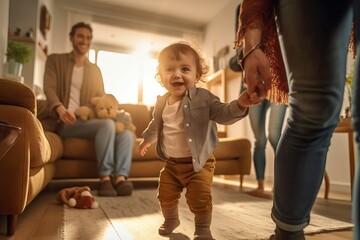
11 224
241 181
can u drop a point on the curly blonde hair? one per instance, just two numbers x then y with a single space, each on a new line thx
173 51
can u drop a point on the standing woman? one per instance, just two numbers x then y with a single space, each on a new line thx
259 115
314 38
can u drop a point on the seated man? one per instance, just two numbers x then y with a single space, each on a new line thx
70 80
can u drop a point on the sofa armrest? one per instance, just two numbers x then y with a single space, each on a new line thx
30 151
17 94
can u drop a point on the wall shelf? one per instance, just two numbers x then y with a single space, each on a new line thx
21 39
218 80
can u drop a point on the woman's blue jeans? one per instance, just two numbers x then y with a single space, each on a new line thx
257 115
314 37
113 150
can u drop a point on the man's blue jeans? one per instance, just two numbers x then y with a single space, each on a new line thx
258 115
314 37
113 150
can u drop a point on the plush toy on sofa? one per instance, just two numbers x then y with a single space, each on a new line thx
77 197
106 107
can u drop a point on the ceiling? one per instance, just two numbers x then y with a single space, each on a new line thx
175 14
197 11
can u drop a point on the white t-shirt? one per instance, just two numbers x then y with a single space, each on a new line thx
75 88
174 143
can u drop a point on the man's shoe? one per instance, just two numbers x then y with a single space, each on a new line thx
281 234
106 189
124 188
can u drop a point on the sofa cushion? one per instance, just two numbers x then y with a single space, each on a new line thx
78 148
232 148
56 145
40 152
49 122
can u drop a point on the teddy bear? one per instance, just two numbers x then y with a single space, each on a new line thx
105 107
77 197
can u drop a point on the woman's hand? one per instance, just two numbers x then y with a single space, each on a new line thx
256 66
257 73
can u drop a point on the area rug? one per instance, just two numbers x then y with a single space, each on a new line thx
236 215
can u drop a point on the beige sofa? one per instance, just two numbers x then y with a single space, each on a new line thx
233 155
39 156
29 165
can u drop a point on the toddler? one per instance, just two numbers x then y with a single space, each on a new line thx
184 129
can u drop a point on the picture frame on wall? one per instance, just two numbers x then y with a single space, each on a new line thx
45 21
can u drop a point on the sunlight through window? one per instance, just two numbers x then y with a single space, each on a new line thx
152 87
130 78
120 75
92 56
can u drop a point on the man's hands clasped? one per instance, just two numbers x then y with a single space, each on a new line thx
65 115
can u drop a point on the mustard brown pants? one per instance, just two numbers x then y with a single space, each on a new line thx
177 174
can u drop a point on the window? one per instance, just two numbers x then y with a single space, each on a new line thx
129 77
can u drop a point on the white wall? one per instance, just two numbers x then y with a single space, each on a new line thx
71 11
40 56
4 20
221 32
60 34
26 17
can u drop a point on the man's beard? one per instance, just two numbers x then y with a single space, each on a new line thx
79 50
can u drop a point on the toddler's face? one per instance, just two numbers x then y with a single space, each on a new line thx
179 75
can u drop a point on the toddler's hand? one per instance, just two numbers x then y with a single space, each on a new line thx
255 98
143 147
248 100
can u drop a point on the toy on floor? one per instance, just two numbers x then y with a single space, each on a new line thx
77 197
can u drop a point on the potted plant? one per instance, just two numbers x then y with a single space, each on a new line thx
17 55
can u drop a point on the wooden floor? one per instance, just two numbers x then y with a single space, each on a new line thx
42 219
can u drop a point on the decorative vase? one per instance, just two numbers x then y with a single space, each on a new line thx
14 68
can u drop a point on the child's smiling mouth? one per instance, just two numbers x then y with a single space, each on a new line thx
177 84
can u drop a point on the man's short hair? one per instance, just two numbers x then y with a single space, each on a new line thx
79 25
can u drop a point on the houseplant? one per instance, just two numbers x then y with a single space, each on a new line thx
17 54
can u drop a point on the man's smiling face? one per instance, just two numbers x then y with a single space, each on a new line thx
81 40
